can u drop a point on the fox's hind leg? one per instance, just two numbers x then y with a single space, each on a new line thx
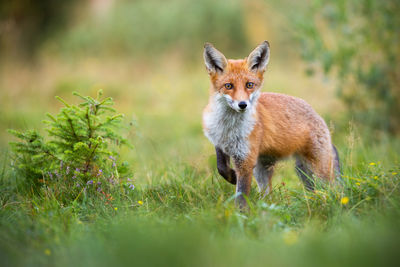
263 172
324 164
303 170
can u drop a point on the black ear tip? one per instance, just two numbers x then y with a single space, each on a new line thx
207 45
266 43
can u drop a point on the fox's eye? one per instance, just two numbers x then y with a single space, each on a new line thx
249 85
228 86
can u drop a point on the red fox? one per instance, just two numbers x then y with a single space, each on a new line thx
258 129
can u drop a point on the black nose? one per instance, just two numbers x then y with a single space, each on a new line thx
242 105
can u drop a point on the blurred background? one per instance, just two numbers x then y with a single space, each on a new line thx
340 56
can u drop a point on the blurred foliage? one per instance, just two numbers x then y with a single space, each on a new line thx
26 23
153 27
120 27
81 155
359 43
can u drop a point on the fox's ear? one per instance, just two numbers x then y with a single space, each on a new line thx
215 60
259 57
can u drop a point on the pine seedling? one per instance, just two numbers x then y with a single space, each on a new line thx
80 152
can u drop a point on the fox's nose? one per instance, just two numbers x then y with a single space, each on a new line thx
242 105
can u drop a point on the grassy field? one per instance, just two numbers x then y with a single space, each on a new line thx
181 212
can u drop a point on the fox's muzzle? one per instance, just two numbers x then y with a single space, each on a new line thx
242 105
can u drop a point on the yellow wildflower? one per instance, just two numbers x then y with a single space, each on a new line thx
394 173
227 213
140 202
376 177
344 200
290 238
354 178
47 252
372 164
115 208
358 184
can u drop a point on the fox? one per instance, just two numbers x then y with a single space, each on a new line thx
257 129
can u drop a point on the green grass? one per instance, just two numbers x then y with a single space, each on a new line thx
181 211
186 216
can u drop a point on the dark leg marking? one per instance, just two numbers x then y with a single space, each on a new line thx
223 165
305 174
263 172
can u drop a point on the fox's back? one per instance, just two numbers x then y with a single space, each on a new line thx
287 109
288 123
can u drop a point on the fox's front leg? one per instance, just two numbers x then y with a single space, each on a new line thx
244 170
223 165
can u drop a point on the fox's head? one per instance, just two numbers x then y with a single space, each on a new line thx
237 82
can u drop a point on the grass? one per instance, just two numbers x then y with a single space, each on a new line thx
181 211
187 217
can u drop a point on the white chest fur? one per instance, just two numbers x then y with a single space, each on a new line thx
228 129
